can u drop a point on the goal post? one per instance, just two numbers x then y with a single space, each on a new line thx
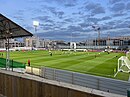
123 65
128 55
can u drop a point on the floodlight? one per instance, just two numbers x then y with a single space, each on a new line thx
35 23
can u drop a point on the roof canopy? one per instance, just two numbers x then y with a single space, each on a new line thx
9 29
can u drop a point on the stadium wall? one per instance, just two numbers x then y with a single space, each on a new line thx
16 49
89 47
14 84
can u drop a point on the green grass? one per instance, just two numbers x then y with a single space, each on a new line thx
83 62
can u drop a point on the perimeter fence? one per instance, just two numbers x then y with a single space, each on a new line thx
86 80
12 64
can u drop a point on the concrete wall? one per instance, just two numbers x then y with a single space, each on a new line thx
22 85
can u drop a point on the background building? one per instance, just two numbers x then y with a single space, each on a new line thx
121 43
12 43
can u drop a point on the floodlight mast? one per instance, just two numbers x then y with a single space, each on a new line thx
35 24
99 38
108 40
71 47
97 28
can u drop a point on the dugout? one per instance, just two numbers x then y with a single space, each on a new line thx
9 30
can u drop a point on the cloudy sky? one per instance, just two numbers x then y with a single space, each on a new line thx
61 19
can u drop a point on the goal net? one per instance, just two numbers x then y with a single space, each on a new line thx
124 64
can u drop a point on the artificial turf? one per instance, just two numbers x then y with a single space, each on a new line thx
97 63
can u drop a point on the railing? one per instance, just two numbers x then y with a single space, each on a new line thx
90 81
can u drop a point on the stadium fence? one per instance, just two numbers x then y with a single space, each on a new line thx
13 64
90 81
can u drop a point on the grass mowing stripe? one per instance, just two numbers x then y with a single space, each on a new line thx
84 62
69 62
55 62
40 56
107 66
88 64
40 59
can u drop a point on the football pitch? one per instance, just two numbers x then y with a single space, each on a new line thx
95 63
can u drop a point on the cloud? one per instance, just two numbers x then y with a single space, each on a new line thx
84 25
69 5
56 35
49 21
77 13
65 1
116 24
60 24
63 35
118 32
18 17
47 25
118 7
20 12
111 23
128 6
123 24
74 28
94 8
38 11
46 19
106 27
79 35
127 18
119 14
98 10
29 27
51 9
94 20
60 14
47 28
127 22
106 18
59 18
41 18
114 1
69 20
90 6
79 28
55 12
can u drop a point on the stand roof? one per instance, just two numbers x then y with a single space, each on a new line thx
10 29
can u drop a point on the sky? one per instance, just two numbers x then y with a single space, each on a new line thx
70 20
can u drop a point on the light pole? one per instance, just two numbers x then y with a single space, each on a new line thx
108 40
36 24
97 28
